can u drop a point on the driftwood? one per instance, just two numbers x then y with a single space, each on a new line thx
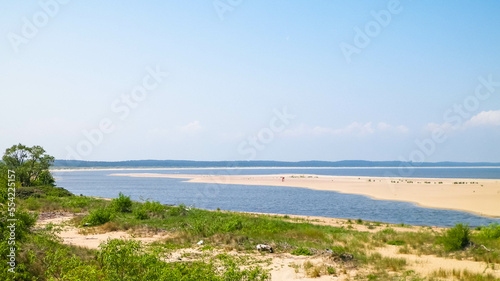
484 247
475 246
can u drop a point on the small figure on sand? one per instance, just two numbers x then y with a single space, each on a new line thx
282 179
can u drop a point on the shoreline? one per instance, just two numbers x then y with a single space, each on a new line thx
330 221
74 169
342 222
476 196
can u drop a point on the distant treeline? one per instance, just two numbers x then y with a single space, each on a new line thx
243 164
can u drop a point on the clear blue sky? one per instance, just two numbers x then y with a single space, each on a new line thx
410 70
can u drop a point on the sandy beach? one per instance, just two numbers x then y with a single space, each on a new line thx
479 196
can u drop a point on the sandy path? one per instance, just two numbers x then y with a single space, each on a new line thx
71 236
479 196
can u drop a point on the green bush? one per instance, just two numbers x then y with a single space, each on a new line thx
122 204
331 270
24 192
153 207
99 216
141 214
25 220
490 232
180 210
56 191
127 260
302 252
456 238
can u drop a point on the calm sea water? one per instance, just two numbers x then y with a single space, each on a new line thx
463 173
272 199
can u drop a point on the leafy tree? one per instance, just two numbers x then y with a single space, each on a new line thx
3 182
31 164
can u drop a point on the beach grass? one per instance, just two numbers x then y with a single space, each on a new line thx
43 254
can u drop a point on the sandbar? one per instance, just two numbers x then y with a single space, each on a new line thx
478 196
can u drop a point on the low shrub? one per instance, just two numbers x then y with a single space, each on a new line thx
331 270
490 232
122 204
149 209
302 252
153 207
456 238
180 210
24 192
56 191
99 216
141 214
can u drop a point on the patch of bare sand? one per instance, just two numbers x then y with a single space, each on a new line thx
426 264
71 235
282 266
289 267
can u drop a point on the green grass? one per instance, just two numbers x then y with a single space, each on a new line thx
384 263
461 275
74 204
302 252
43 255
396 242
